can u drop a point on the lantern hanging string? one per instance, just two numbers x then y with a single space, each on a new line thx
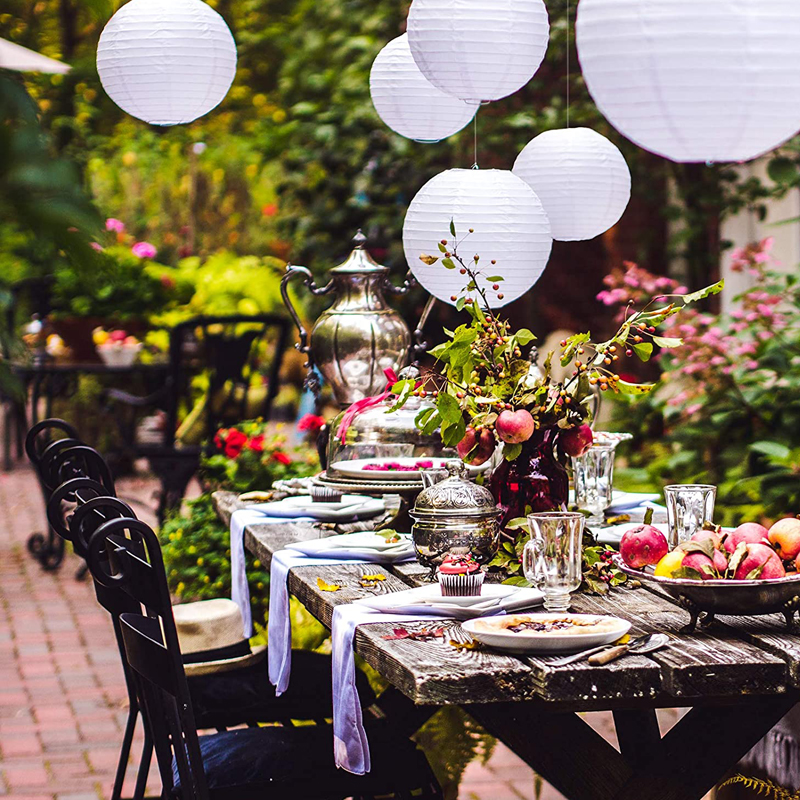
475 141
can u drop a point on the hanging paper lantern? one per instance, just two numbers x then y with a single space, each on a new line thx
408 102
510 229
694 80
166 61
478 50
580 177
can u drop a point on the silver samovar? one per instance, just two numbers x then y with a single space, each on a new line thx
359 336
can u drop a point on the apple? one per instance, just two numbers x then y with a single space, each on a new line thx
749 532
117 336
576 441
702 563
763 557
784 536
476 447
642 546
703 535
515 427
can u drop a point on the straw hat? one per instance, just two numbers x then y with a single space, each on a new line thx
210 636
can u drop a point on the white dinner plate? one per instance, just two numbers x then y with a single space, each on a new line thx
352 506
363 544
356 468
430 601
493 631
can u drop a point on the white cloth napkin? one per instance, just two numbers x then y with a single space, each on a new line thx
350 745
279 652
240 591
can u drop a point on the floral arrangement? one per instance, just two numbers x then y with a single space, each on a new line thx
254 454
727 407
488 390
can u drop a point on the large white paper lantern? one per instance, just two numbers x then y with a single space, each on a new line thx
478 49
509 223
695 80
166 61
408 102
580 177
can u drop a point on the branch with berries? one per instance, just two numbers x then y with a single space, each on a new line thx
487 390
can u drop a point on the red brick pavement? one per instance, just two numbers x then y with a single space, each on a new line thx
62 699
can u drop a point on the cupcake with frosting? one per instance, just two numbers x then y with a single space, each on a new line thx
460 576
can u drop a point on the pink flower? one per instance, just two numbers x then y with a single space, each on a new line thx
693 409
96 246
144 250
115 225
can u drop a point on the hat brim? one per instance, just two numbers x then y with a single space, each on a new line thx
228 664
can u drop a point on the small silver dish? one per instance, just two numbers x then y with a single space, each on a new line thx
734 598
455 516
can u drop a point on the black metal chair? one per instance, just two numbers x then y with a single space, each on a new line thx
249 764
227 352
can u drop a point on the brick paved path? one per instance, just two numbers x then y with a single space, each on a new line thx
62 700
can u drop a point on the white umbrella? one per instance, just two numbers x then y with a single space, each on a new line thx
14 56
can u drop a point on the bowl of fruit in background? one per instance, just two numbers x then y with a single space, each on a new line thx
116 348
747 571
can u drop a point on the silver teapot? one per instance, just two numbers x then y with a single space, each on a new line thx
455 516
359 336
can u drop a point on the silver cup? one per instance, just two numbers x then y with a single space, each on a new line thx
593 475
689 506
553 558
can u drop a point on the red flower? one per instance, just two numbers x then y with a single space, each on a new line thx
235 443
219 439
311 422
256 444
269 210
281 458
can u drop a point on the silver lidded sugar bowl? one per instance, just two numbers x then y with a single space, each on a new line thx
455 516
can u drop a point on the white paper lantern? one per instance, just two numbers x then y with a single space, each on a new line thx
408 102
478 49
580 177
695 80
166 61
509 223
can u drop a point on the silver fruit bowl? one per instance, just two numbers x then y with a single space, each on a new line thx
735 598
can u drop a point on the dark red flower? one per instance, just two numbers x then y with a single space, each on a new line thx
256 444
235 443
310 422
281 457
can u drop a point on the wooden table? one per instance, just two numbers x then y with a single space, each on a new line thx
738 678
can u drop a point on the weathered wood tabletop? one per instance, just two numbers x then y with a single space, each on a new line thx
739 678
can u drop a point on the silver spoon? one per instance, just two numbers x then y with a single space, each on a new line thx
572 659
654 642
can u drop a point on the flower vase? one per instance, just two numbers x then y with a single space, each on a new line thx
535 480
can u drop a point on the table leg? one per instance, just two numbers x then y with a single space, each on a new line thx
407 718
684 765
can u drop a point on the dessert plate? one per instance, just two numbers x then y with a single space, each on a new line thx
546 633
365 545
429 600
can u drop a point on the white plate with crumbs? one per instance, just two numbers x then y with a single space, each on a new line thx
546 633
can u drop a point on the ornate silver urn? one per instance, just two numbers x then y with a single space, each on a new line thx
359 336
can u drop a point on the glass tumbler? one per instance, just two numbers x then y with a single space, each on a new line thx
552 560
689 506
593 474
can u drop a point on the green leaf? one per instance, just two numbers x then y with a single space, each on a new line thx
665 341
772 449
452 227
648 516
634 389
782 169
442 248
511 451
448 407
524 336
517 581
687 573
448 263
755 574
519 523
715 288
460 303
644 350
495 278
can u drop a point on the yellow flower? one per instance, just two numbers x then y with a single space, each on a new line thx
200 562
206 579
256 563
180 588
192 550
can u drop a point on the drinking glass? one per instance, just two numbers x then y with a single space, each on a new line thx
430 477
553 557
593 473
689 506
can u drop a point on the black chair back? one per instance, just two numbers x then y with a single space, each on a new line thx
230 351
61 463
125 554
41 435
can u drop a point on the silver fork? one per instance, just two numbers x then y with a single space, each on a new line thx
562 662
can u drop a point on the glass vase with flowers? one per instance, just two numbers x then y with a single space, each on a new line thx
489 393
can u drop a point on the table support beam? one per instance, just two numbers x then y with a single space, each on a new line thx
638 734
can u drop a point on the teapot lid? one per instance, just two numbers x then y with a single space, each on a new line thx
456 495
359 261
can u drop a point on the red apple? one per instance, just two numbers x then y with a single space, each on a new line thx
748 532
703 535
117 336
704 565
642 546
784 536
476 447
576 441
515 427
760 557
